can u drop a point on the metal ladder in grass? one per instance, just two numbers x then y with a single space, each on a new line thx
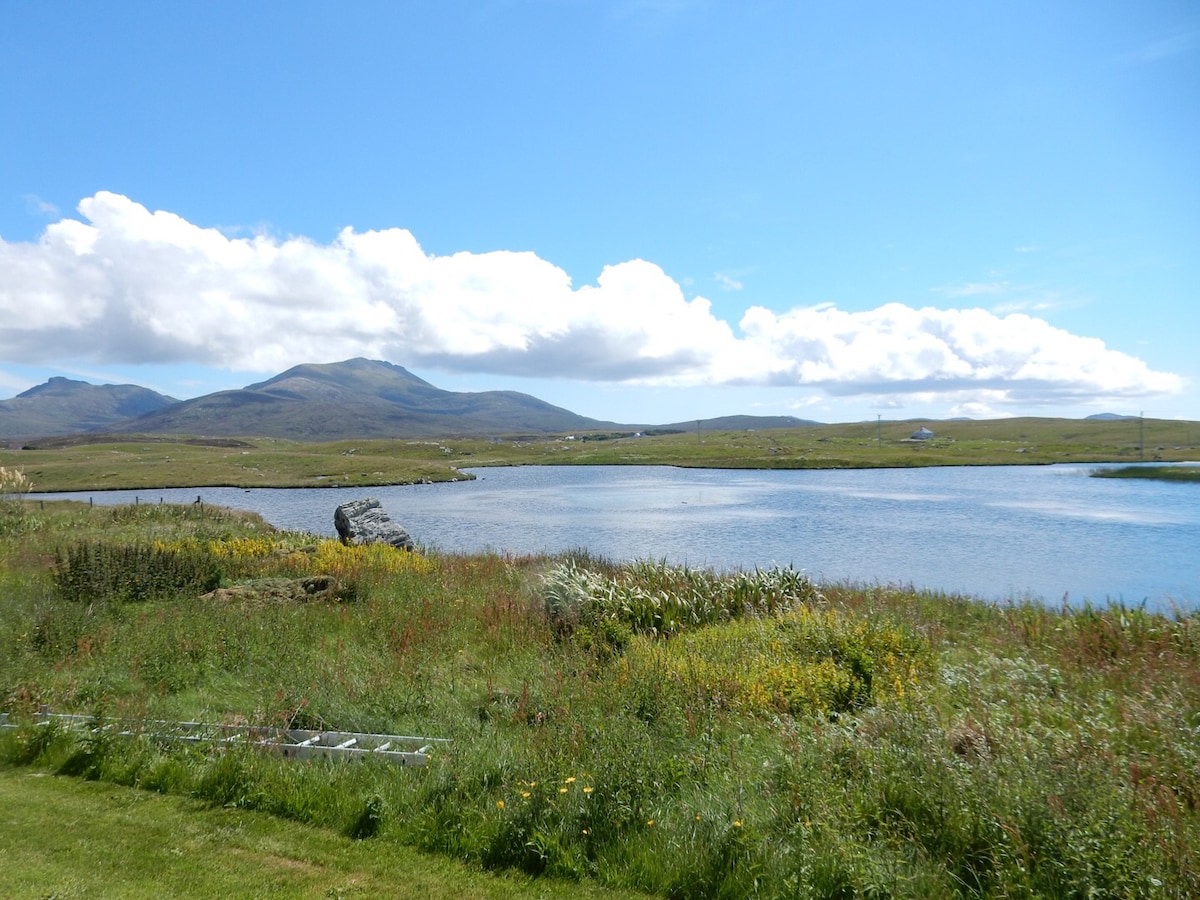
291 743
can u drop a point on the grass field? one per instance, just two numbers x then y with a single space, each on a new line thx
147 463
637 728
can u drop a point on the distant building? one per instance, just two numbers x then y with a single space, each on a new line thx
921 434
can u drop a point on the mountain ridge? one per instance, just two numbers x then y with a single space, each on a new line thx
354 398
65 406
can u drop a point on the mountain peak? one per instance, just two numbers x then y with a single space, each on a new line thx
65 406
56 384
356 368
353 378
357 398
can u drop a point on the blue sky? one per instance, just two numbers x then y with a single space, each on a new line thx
642 210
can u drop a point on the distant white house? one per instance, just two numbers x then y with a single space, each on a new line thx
921 434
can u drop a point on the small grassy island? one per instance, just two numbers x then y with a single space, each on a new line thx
614 730
1154 473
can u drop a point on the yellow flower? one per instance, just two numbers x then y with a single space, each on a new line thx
649 821
585 831
499 804
737 823
525 794
562 790
587 790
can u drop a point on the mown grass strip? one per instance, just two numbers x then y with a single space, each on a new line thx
63 837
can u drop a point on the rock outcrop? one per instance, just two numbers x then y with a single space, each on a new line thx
315 587
365 522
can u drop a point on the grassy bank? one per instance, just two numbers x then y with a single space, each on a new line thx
639 727
154 462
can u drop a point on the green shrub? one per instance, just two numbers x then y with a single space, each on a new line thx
25 745
802 662
88 757
367 821
662 600
98 572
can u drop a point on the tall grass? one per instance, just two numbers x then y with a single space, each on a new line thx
660 728
97 572
14 510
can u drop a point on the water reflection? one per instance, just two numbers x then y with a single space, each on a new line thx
999 532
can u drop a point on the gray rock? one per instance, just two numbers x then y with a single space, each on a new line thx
365 522
314 587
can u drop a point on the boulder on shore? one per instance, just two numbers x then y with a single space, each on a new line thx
365 522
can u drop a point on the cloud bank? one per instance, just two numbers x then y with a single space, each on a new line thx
126 285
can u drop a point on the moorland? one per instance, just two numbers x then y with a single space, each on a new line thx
98 461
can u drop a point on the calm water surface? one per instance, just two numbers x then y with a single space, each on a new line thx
1046 532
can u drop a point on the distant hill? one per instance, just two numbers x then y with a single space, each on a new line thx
358 398
739 423
63 406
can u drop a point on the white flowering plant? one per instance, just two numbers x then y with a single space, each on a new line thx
14 485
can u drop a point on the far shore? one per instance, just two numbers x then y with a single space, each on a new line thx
150 462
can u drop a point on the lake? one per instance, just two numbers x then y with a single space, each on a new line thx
999 533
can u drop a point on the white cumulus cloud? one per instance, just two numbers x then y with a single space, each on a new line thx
898 349
127 285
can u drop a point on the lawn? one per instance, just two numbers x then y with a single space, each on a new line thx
67 837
